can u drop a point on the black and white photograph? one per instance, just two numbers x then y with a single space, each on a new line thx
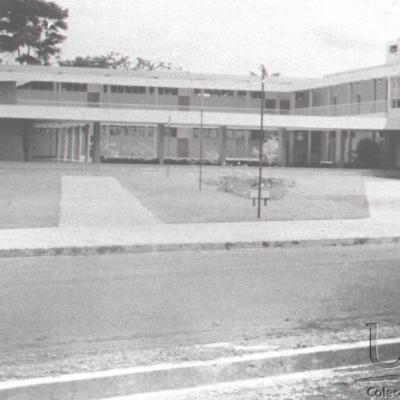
199 199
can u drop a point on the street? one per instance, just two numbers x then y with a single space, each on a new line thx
67 314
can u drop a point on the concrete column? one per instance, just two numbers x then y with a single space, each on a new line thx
66 143
87 131
96 142
325 154
59 143
290 160
222 144
81 142
27 140
309 133
72 133
340 148
283 144
160 143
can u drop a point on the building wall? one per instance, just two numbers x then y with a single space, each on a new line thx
8 93
11 140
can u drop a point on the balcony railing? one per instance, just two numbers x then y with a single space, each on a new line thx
372 107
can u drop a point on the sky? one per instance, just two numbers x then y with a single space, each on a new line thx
297 38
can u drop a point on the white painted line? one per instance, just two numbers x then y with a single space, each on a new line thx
12 384
241 384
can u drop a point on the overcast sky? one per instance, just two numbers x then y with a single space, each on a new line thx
295 37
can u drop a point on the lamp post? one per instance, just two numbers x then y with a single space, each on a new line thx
168 143
201 148
260 157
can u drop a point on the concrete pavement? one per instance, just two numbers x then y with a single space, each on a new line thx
120 223
163 237
100 201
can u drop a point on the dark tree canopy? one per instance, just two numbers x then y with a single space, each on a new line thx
30 30
118 61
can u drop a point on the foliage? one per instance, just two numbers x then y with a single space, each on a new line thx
119 61
367 153
243 185
30 30
270 150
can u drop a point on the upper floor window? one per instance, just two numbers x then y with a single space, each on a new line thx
128 89
219 93
74 87
256 95
241 93
38 86
393 48
168 91
270 104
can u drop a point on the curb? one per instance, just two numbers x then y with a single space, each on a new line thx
149 248
140 380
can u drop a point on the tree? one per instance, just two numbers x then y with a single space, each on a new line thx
30 30
119 61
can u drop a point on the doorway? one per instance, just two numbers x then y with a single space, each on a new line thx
183 148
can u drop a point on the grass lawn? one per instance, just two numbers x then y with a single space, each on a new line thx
317 194
30 193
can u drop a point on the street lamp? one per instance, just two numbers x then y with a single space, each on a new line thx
201 147
260 157
168 144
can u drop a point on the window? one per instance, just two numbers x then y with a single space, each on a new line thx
212 133
393 48
117 89
284 104
197 92
168 91
135 89
256 95
255 135
171 132
74 87
38 86
105 88
241 93
270 104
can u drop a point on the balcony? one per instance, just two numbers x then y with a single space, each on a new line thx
371 107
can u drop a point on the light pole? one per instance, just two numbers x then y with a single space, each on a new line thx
168 141
201 147
260 157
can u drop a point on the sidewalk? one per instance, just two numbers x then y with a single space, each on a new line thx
162 237
383 226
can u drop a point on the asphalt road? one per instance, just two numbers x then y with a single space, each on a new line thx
52 308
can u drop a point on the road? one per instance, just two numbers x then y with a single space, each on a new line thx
62 314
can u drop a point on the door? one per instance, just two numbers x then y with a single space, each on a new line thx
93 99
183 148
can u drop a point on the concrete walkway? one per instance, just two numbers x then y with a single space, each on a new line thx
120 231
100 201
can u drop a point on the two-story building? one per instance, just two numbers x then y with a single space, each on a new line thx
84 115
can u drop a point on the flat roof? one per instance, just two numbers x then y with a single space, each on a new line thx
22 74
